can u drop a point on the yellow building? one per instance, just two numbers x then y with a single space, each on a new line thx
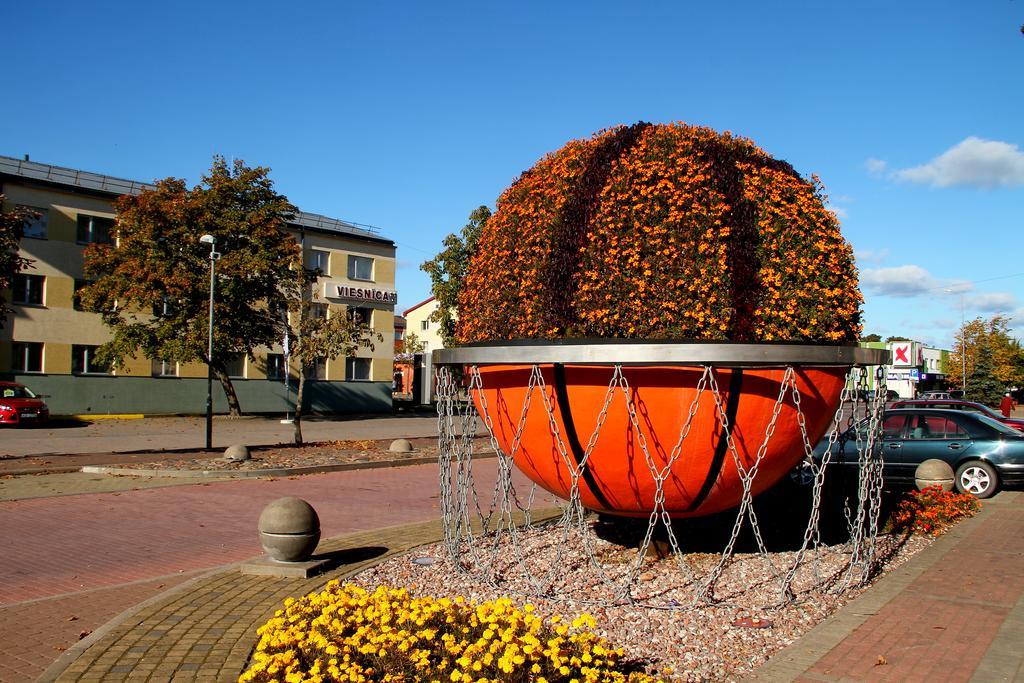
48 343
418 322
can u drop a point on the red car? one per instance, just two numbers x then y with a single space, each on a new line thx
966 406
19 406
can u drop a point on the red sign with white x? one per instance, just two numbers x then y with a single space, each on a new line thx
901 354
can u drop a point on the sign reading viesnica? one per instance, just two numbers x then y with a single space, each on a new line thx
339 290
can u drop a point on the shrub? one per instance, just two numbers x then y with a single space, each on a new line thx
345 633
661 231
931 510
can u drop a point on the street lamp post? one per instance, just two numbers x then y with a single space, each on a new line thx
209 239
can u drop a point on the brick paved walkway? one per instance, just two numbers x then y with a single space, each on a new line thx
69 564
205 630
72 543
35 632
955 612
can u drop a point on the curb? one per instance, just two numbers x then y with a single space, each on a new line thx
38 470
257 474
252 474
89 417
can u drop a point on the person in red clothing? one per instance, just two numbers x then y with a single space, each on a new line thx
1007 405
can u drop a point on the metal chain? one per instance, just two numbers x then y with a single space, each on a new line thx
477 546
660 515
747 477
812 532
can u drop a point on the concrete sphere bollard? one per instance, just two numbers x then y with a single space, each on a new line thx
289 530
934 472
401 446
237 453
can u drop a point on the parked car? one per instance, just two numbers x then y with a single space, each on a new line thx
19 406
966 406
869 395
935 395
984 454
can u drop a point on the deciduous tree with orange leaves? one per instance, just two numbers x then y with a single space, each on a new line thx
152 286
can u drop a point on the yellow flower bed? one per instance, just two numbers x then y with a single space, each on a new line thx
345 633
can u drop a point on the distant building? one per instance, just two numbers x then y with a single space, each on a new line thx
916 367
48 342
418 322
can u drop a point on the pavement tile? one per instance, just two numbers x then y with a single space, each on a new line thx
228 662
74 546
942 625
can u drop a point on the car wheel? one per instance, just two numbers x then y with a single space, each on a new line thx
802 475
977 478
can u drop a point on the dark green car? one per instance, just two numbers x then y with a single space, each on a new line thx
985 454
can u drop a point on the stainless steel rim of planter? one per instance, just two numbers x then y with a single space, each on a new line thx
627 352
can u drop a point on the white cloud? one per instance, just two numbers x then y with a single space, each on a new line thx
839 211
871 256
959 287
901 281
875 166
993 302
972 163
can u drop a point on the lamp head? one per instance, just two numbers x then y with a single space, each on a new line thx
207 239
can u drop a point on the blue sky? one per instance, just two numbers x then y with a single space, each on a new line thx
409 115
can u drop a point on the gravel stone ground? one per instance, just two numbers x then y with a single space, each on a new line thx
315 454
674 636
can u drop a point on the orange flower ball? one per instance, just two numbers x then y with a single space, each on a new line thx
662 232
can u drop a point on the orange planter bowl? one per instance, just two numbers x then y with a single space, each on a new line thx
618 475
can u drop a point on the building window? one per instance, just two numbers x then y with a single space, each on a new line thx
317 370
357 369
35 223
425 325
360 268
94 229
275 366
320 260
278 309
234 365
360 315
83 361
318 311
165 368
28 289
28 357
76 297
166 307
